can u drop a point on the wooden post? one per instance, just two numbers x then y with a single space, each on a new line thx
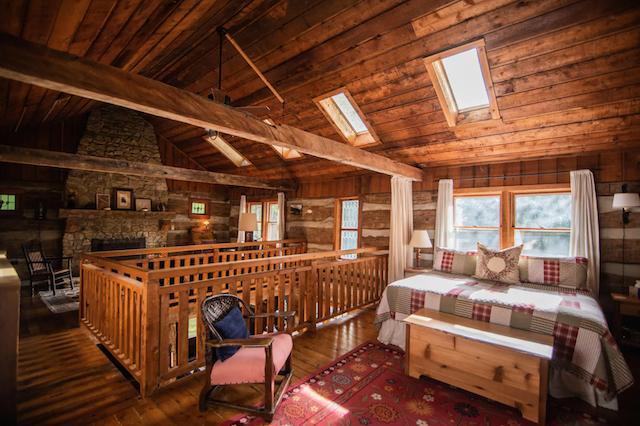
150 337
312 284
9 330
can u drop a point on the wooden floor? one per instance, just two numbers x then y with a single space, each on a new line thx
65 379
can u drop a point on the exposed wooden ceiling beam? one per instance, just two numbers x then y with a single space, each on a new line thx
63 160
35 64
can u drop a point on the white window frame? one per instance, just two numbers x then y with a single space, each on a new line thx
368 138
438 75
285 153
213 140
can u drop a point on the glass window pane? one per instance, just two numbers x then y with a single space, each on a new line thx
539 243
198 208
349 241
543 211
466 239
465 77
350 213
272 232
257 235
8 202
257 209
273 213
477 211
350 113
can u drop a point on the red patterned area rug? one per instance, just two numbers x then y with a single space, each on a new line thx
368 387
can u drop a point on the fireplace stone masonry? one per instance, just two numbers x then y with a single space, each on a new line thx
116 133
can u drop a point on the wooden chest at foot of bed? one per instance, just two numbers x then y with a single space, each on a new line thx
504 364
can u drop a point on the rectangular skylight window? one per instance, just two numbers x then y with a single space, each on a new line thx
286 153
465 77
347 118
227 150
462 82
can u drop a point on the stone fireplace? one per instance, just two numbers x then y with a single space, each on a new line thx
116 133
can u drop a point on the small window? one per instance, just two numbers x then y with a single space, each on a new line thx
272 221
286 153
227 150
198 208
543 224
11 201
257 209
347 118
348 229
476 219
463 84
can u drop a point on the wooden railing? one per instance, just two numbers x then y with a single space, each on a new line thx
9 330
149 318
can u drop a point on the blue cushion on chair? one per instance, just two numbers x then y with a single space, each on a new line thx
232 326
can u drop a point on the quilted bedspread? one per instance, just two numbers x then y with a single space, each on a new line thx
583 344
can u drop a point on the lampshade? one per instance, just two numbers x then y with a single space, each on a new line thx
420 239
248 222
624 200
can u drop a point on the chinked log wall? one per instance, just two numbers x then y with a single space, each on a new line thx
141 309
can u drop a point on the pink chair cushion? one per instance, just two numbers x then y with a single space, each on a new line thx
247 365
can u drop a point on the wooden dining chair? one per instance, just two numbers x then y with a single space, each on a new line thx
55 270
259 359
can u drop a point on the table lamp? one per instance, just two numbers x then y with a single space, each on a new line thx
625 201
248 224
206 225
420 239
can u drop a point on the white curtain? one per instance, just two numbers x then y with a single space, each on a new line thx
585 233
243 209
444 214
400 254
281 212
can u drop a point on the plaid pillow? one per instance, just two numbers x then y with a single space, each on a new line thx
498 265
457 262
560 271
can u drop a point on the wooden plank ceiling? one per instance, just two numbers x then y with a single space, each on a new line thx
566 72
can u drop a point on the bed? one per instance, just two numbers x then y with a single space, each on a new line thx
586 362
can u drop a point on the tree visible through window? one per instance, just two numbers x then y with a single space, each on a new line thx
540 221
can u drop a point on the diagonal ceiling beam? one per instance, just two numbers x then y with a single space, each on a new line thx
35 64
63 160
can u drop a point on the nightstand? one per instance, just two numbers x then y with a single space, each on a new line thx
409 272
623 305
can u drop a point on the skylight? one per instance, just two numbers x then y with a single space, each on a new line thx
345 115
286 153
465 77
462 82
227 150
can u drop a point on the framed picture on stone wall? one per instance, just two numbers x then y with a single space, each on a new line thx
103 202
143 204
124 199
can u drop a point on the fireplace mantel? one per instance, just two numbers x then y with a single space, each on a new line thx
120 214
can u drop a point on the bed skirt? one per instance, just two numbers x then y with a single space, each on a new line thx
393 332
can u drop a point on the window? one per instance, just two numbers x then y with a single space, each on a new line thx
346 117
543 223
227 150
347 235
268 221
257 209
198 208
11 201
476 219
286 153
463 84
540 219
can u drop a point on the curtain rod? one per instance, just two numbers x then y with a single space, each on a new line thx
514 176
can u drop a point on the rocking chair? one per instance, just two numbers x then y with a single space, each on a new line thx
41 267
259 360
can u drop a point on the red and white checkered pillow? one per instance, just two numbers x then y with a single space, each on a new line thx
560 271
457 262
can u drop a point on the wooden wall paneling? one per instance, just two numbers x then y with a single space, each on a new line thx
610 164
566 164
527 168
548 166
513 169
479 172
465 173
497 170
